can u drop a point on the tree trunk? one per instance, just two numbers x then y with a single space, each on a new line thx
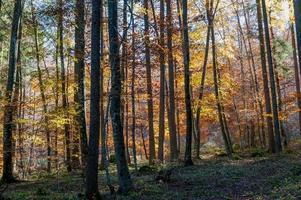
93 148
42 88
272 79
7 175
268 108
172 107
297 77
125 182
297 8
149 86
63 82
217 96
162 85
186 58
79 93
133 91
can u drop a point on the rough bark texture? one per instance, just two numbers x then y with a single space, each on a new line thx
93 148
272 80
7 175
186 58
172 106
79 76
266 89
125 182
162 85
149 86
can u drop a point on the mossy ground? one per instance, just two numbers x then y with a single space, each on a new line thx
244 177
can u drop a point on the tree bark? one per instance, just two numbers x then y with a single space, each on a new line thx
268 109
272 80
93 148
133 91
162 85
149 86
296 68
79 93
125 182
7 175
172 107
186 58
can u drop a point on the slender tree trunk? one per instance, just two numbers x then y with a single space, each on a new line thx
268 108
186 58
133 91
79 94
149 86
162 85
297 77
272 80
201 94
42 88
7 175
63 82
125 181
172 107
217 96
143 142
297 8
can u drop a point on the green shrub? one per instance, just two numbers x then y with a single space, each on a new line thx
257 152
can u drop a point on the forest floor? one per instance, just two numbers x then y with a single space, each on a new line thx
249 175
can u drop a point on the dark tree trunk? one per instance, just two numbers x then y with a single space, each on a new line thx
266 89
172 106
93 148
103 118
7 175
162 85
133 91
186 58
149 86
125 182
272 80
297 8
79 94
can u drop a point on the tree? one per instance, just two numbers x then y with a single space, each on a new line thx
93 148
162 85
133 90
297 8
266 89
186 58
172 106
297 75
63 84
272 79
217 95
7 173
125 181
149 86
79 76
41 86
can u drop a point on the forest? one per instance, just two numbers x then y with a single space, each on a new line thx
150 99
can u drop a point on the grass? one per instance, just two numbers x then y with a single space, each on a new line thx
248 176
